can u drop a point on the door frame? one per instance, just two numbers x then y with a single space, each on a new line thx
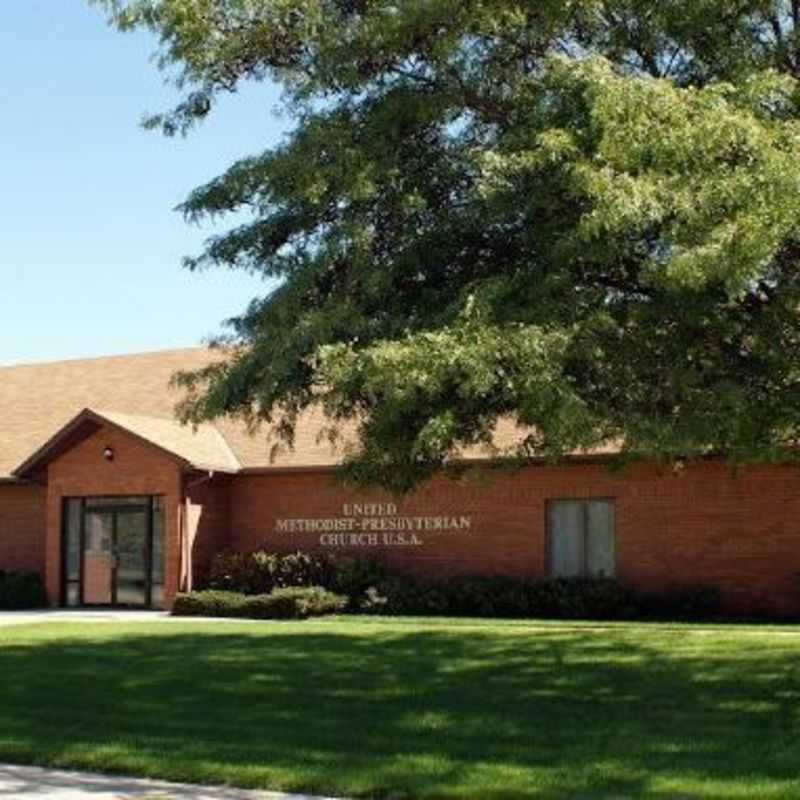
107 506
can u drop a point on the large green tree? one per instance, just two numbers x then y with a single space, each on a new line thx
581 214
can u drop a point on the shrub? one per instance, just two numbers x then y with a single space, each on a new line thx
370 588
583 598
406 595
312 601
282 603
501 597
260 572
681 602
356 577
21 590
209 603
559 598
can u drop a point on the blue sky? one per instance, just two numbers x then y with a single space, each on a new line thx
90 248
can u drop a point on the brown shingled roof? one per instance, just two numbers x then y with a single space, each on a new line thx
39 400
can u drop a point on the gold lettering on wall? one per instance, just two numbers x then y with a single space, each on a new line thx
374 525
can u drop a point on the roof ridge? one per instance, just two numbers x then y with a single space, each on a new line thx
107 357
133 415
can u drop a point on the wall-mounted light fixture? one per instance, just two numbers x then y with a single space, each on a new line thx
108 453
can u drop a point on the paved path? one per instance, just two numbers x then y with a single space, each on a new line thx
104 615
65 615
45 784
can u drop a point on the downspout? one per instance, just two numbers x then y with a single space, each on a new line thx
186 582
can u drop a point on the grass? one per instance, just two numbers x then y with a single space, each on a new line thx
412 708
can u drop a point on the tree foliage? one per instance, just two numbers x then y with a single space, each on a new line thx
581 214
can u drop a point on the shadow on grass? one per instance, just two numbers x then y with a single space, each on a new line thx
394 713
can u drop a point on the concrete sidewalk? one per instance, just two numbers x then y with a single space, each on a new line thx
8 618
45 784
79 615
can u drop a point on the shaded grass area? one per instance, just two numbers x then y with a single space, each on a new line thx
412 708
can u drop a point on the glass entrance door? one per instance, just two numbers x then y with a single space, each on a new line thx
113 551
98 558
116 557
131 559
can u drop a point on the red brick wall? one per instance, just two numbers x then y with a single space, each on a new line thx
706 526
22 527
137 469
209 513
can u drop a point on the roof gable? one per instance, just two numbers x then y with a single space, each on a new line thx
198 448
38 399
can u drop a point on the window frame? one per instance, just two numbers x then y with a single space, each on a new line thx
548 535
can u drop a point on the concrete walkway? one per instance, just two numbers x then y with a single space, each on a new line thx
108 615
79 615
113 615
45 784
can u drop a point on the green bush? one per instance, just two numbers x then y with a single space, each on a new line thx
583 598
283 603
560 598
21 590
681 602
260 572
355 577
501 597
370 588
209 603
312 601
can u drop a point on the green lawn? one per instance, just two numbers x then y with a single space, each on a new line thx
413 708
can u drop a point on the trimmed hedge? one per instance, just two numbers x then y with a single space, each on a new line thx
21 590
369 588
560 598
284 603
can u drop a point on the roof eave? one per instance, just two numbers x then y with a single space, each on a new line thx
215 468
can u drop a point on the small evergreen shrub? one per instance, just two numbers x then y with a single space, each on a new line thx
681 602
283 603
208 603
311 601
21 590
477 596
355 577
260 572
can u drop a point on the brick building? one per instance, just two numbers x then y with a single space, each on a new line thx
115 503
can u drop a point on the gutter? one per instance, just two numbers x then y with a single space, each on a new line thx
460 463
12 481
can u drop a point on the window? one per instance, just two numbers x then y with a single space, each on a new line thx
581 538
73 522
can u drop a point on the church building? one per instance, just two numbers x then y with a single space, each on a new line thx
115 503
